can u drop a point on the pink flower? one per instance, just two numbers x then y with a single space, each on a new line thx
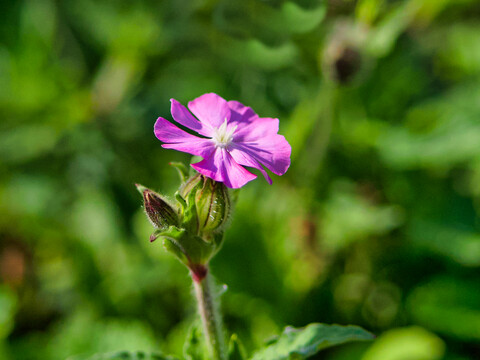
231 136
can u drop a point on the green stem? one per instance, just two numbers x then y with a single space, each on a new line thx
208 309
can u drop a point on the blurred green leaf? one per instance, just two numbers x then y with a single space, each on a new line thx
454 243
194 347
243 18
447 135
8 306
368 10
27 142
253 52
458 50
302 343
348 217
125 355
457 302
236 351
299 20
412 343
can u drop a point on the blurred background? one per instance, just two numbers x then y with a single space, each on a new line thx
376 222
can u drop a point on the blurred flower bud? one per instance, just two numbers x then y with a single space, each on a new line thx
160 213
346 65
213 205
342 57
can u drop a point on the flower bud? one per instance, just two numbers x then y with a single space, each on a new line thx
346 65
160 213
213 205
343 61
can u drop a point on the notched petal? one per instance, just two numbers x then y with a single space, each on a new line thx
210 109
181 115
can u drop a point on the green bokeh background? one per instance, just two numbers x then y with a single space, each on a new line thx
376 222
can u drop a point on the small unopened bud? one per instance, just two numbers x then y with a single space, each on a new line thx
160 213
346 65
213 205
343 60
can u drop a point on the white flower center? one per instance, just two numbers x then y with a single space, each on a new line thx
223 137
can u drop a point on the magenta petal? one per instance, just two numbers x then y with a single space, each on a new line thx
241 113
202 147
210 109
220 166
243 158
272 151
258 129
175 138
182 116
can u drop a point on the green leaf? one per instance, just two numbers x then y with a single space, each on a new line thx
457 300
298 20
236 351
194 347
183 171
125 355
8 307
413 343
304 342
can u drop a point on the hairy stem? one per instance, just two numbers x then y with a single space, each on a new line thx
208 309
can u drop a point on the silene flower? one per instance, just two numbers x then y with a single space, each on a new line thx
230 136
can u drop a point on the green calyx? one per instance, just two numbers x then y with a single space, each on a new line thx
213 206
192 229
